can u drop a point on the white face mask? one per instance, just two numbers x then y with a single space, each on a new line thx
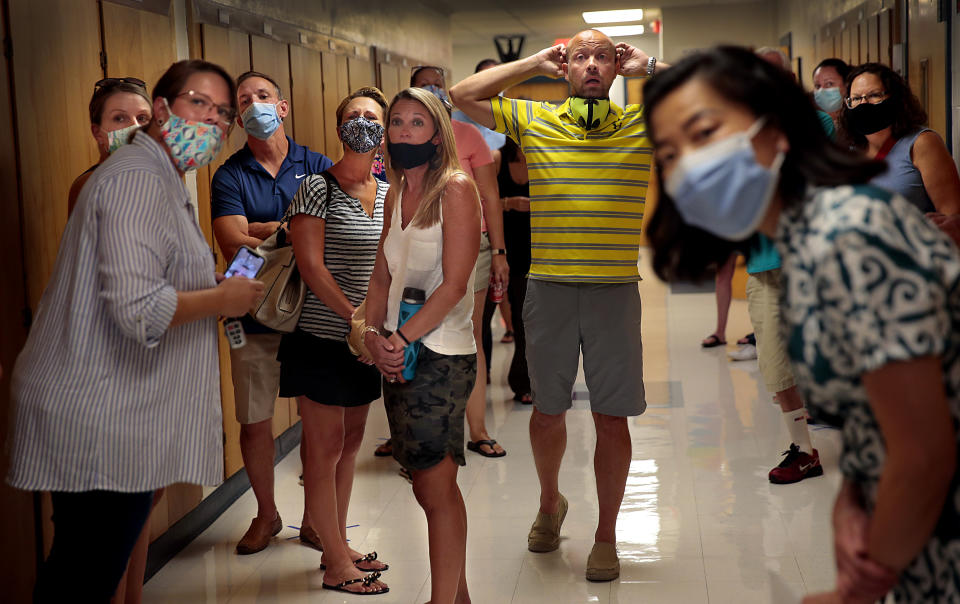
722 189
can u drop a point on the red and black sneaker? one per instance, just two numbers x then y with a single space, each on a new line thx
796 466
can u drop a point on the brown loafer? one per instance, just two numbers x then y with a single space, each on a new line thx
544 535
257 537
310 538
603 564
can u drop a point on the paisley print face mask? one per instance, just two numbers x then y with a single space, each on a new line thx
361 135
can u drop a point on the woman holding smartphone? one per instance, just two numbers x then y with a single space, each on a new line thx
117 390
430 242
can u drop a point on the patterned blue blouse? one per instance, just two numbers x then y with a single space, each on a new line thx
107 395
869 281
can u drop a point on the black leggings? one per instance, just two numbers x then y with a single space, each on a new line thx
94 534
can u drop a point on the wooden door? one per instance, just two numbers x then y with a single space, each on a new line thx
927 52
273 58
863 35
360 73
885 37
56 61
845 46
231 50
336 87
306 71
390 80
137 43
18 558
873 38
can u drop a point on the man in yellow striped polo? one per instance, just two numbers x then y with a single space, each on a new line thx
589 165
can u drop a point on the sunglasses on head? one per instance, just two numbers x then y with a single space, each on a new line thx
110 82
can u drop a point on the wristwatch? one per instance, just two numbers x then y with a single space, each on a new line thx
369 328
651 66
498 251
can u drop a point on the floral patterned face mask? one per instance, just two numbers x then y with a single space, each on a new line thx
119 138
360 134
192 144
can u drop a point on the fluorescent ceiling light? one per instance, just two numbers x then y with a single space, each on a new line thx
613 16
621 30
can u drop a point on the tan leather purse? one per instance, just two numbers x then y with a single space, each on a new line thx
284 290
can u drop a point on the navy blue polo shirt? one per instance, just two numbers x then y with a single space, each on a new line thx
242 187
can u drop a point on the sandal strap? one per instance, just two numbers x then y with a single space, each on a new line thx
367 558
489 443
369 579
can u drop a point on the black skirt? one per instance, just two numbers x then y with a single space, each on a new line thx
325 371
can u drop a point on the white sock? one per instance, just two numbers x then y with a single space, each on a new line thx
797 427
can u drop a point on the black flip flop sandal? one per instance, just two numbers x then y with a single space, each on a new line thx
367 582
475 447
712 342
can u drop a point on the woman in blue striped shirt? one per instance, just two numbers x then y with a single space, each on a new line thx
116 391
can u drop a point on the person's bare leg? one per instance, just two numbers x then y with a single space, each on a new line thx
548 439
463 593
611 464
437 493
323 429
724 285
477 403
303 464
354 422
257 450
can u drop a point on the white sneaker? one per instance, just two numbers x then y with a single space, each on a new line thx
747 352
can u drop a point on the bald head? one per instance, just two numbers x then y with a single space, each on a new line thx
591 64
591 37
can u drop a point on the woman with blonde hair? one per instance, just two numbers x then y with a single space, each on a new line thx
430 241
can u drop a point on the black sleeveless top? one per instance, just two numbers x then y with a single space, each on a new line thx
516 225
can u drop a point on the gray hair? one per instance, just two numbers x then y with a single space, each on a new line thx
770 50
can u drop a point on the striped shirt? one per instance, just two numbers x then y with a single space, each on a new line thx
107 395
587 189
349 248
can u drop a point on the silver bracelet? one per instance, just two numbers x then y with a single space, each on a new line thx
651 66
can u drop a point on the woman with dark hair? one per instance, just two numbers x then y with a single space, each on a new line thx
118 107
336 218
116 392
829 86
869 306
885 120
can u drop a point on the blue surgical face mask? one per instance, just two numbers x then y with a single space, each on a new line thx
828 99
722 189
438 92
261 120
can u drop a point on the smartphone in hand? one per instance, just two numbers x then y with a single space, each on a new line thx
246 262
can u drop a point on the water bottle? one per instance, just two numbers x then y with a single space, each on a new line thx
411 301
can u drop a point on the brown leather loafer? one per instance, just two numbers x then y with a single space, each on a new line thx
257 537
310 538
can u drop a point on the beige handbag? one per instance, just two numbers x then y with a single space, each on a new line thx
284 290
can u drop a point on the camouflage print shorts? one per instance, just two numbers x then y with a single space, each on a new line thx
426 414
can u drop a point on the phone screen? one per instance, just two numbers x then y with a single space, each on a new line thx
245 263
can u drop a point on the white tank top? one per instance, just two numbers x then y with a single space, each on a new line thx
415 259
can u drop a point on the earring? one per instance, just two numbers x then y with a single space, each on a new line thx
159 122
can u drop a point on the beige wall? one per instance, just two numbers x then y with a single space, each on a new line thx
691 27
408 28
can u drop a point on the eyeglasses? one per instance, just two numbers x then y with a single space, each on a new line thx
111 82
204 104
873 98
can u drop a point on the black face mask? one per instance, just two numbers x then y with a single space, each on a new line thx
866 118
410 156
